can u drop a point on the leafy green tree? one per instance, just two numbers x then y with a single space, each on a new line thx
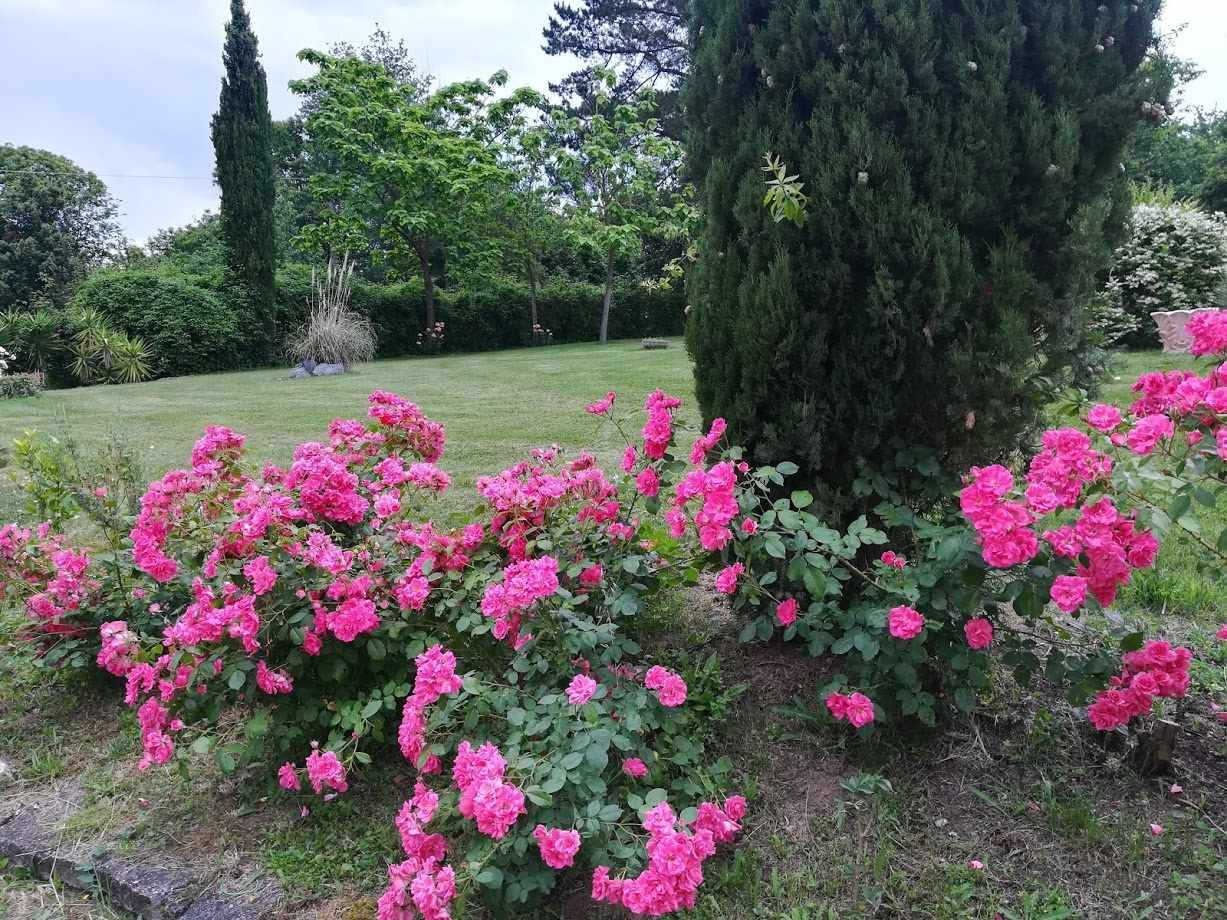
57 221
242 144
296 159
412 176
622 180
1186 155
961 165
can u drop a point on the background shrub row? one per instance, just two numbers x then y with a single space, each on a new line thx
192 329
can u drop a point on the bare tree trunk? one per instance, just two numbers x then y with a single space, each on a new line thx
428 281
609 279
532 289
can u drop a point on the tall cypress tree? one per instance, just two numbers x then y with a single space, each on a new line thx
962 167
243 148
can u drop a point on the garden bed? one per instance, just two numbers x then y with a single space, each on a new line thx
1057 817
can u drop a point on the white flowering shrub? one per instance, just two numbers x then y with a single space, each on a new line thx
1175 258
5 357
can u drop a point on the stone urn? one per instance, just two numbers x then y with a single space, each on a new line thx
1172 329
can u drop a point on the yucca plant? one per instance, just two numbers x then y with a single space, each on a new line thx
333 333
130 359
38 339
102 355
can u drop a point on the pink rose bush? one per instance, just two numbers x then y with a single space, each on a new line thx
1061 535
324 607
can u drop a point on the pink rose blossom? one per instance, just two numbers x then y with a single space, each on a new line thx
726 581
287 778
906 622
894 560
603 405
1069 592
786 611
558 847
979 633
1103 417
634 768
580 690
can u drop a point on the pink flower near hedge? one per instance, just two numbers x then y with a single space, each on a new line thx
749 526
1069 592
726 581
436 676
1209 332
1104 418
326 770
287 778
979 633
1222 633
894 560
592 576
558 847
261 575
855 708
860 710
580 690
634 768
786 611
272 682
905 622
1147 432
670 688
647 482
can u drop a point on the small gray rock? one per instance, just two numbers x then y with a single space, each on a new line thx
299 373
211 907
151 893
328 370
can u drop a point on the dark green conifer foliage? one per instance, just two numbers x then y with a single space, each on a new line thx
242 144
962 164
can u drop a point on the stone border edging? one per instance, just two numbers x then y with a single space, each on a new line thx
29 841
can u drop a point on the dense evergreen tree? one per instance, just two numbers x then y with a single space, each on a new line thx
644 39
57 221
242 145
962 167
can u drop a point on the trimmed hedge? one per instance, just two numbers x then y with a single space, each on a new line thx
193 329
497 316
188 328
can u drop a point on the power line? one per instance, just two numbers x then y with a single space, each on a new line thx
48 172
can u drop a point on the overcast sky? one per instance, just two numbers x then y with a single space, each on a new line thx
126 87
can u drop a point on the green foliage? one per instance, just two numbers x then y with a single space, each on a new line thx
73 345
411 175
18 386
962 200
186 328
622 178
1174 258
242 144
846 592
1187 155
57 221
492 316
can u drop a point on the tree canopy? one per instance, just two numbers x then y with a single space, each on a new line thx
57 221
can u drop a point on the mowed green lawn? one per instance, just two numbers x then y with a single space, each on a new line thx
495 405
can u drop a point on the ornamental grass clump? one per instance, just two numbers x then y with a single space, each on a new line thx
333 333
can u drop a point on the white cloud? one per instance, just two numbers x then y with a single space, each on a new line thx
127 87
1203 40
